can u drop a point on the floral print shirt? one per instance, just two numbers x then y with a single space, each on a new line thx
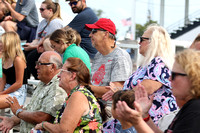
47 98
90 123
164 102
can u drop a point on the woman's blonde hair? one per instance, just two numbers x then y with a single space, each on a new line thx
11 1
159 46
67 36
189 61
11 46
55 8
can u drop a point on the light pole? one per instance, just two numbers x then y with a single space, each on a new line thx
162 12
57 1
186 12
133 20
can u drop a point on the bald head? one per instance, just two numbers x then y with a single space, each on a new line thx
49 65
52 57
48 55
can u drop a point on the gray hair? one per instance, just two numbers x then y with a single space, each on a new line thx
55 60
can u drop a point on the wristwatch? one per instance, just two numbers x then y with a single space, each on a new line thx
18 111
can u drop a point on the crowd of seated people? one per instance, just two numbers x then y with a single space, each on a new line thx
75 85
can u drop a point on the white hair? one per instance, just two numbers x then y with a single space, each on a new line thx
159 46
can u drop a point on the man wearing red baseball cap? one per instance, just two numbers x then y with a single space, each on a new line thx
111 63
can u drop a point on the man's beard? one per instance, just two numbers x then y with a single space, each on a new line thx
76 10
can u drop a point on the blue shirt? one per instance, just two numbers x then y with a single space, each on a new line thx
87 16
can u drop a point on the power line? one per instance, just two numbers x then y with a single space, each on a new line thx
167 5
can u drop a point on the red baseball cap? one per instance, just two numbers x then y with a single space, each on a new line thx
102 23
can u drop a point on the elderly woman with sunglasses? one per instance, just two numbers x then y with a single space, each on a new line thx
81 111
185 81
154 71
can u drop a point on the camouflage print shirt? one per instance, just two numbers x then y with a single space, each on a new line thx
47 98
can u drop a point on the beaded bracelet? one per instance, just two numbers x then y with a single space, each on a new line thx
43 124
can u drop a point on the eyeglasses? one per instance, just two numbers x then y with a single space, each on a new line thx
73 3
39 63
174 74
143 39
95 30
42 9
62 70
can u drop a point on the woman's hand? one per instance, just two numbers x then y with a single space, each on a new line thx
141 97
14 105
8 5
38 127
40 47
124 112
29 46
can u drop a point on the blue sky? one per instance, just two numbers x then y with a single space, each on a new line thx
117 10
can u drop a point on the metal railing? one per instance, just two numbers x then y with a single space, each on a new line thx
184 22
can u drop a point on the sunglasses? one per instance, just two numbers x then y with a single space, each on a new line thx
174 74
143 39
39 63
95 30
73 3
42 9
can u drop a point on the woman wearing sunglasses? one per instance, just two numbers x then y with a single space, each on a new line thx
185 81
154 71
52 21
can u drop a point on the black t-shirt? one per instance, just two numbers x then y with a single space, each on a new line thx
187 120
11 77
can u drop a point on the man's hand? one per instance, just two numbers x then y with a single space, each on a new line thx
14 105
6 124
108 95
7 18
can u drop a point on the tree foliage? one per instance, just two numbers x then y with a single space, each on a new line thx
98 12
141 28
